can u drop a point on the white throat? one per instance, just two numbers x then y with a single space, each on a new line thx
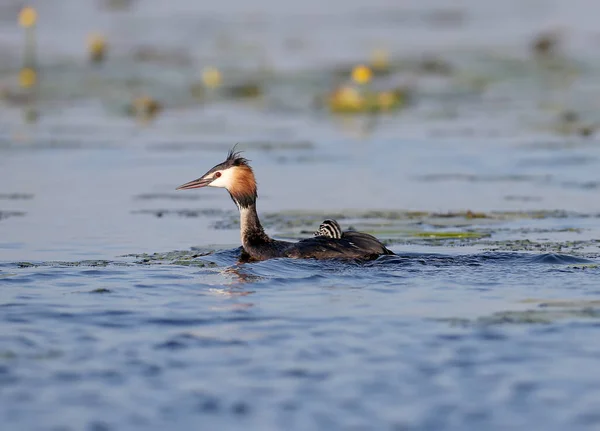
244 222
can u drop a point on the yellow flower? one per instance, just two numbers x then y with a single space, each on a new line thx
96 46
211 77
361 74
27 17
346 99
27 77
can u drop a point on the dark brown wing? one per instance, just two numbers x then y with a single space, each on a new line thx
357 245
366 242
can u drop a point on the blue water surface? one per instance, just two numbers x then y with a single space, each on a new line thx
417 341
122 302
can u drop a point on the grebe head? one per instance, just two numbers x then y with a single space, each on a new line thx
234 174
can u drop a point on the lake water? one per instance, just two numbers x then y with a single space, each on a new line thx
123 306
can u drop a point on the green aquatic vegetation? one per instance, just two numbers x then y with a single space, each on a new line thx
563 303
539 316
192 262
177 257
441 229
547 313
451 235
527 231
48 354
91 263
308 218
100 290
581 248
187 258
585 266
80 263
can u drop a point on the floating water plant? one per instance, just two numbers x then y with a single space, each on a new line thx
451 235
96 45
359 96
245 90
27 20
570 123
348 99
28 79
212 82
546 44
27 17
211 77
144 108
362 74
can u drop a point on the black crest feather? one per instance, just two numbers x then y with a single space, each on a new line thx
234 158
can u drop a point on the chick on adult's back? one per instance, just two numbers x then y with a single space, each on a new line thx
237 177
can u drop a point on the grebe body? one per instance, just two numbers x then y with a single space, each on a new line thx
236 176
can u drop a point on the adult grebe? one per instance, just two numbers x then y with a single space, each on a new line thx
236 175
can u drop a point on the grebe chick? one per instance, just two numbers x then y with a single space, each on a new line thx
236 176
330 229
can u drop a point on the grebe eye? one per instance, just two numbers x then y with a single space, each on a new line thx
217 174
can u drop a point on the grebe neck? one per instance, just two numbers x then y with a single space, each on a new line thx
251 231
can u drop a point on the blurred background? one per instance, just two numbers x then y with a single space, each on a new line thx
462 133
433 106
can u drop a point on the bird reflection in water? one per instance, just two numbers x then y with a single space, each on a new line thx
236 288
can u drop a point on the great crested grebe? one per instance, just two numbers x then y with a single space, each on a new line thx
329 242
